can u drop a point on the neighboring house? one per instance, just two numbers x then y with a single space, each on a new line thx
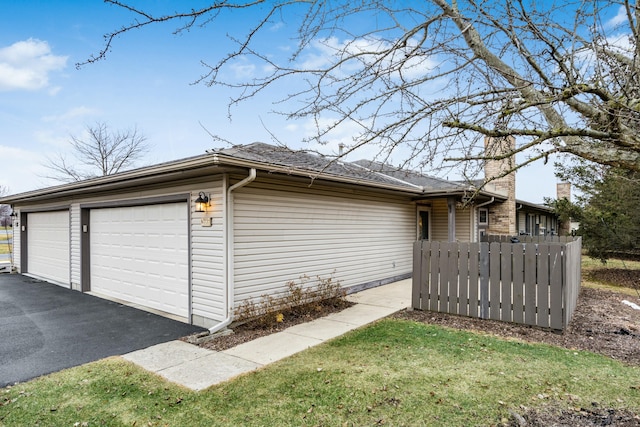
536 220
274 215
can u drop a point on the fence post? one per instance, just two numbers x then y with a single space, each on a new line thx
572 277
542 285
417 276
558 258
530 282
484 280
518 282
506 282
474 278
495 252
463 279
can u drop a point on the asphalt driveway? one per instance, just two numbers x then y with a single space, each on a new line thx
45 328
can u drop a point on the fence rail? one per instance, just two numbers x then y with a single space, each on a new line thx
528 283
526 239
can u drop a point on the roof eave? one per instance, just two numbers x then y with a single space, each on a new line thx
172 170
461 192
138 176
534 206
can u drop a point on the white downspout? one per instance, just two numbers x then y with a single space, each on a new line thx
486 203
229 243
475 223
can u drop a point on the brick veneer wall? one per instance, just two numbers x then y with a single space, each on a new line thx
563 191
502 215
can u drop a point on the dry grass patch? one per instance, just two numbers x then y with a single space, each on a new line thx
5 235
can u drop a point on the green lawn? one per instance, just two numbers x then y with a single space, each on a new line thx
616 275
394 372
589 263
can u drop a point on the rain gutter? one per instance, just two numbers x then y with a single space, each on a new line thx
488 202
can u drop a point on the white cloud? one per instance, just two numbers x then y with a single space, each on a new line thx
52 138
342 133
277 26
368 52
618 19
22 170
72 114
243 69
26 65
325 51
54 90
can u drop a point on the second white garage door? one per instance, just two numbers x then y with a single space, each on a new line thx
140 254
48 246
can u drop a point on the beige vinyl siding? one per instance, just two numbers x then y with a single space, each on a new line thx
463 224
283 233
208 259
439 220
543 223
522 222
74 254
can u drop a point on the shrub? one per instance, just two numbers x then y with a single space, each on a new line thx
299 298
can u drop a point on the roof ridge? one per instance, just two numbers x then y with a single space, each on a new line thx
388 176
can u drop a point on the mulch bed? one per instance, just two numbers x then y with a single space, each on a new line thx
592 416
601 324
261 327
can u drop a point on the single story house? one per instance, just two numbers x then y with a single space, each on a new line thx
536 220
270 216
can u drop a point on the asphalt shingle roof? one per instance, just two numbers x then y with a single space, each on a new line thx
362 170
312 162
413 177
271 158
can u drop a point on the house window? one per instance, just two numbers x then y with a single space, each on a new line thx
483 216
423 224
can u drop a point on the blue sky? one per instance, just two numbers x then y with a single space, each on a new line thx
146 81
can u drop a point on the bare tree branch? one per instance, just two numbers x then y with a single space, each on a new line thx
99 153
5 210
432 79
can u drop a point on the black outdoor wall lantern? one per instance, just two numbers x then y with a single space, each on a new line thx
202 202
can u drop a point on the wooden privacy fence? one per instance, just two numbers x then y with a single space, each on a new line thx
528 283
526 239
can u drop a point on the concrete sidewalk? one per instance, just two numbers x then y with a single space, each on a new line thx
198 368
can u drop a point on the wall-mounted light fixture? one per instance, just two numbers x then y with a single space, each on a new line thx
14 217
202 202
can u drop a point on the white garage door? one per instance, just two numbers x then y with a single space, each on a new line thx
140 255
48 246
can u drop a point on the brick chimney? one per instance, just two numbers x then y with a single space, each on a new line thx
563 191
502 215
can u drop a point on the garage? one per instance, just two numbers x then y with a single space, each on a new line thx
48 246
139 254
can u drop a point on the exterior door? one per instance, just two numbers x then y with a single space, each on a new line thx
423 223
